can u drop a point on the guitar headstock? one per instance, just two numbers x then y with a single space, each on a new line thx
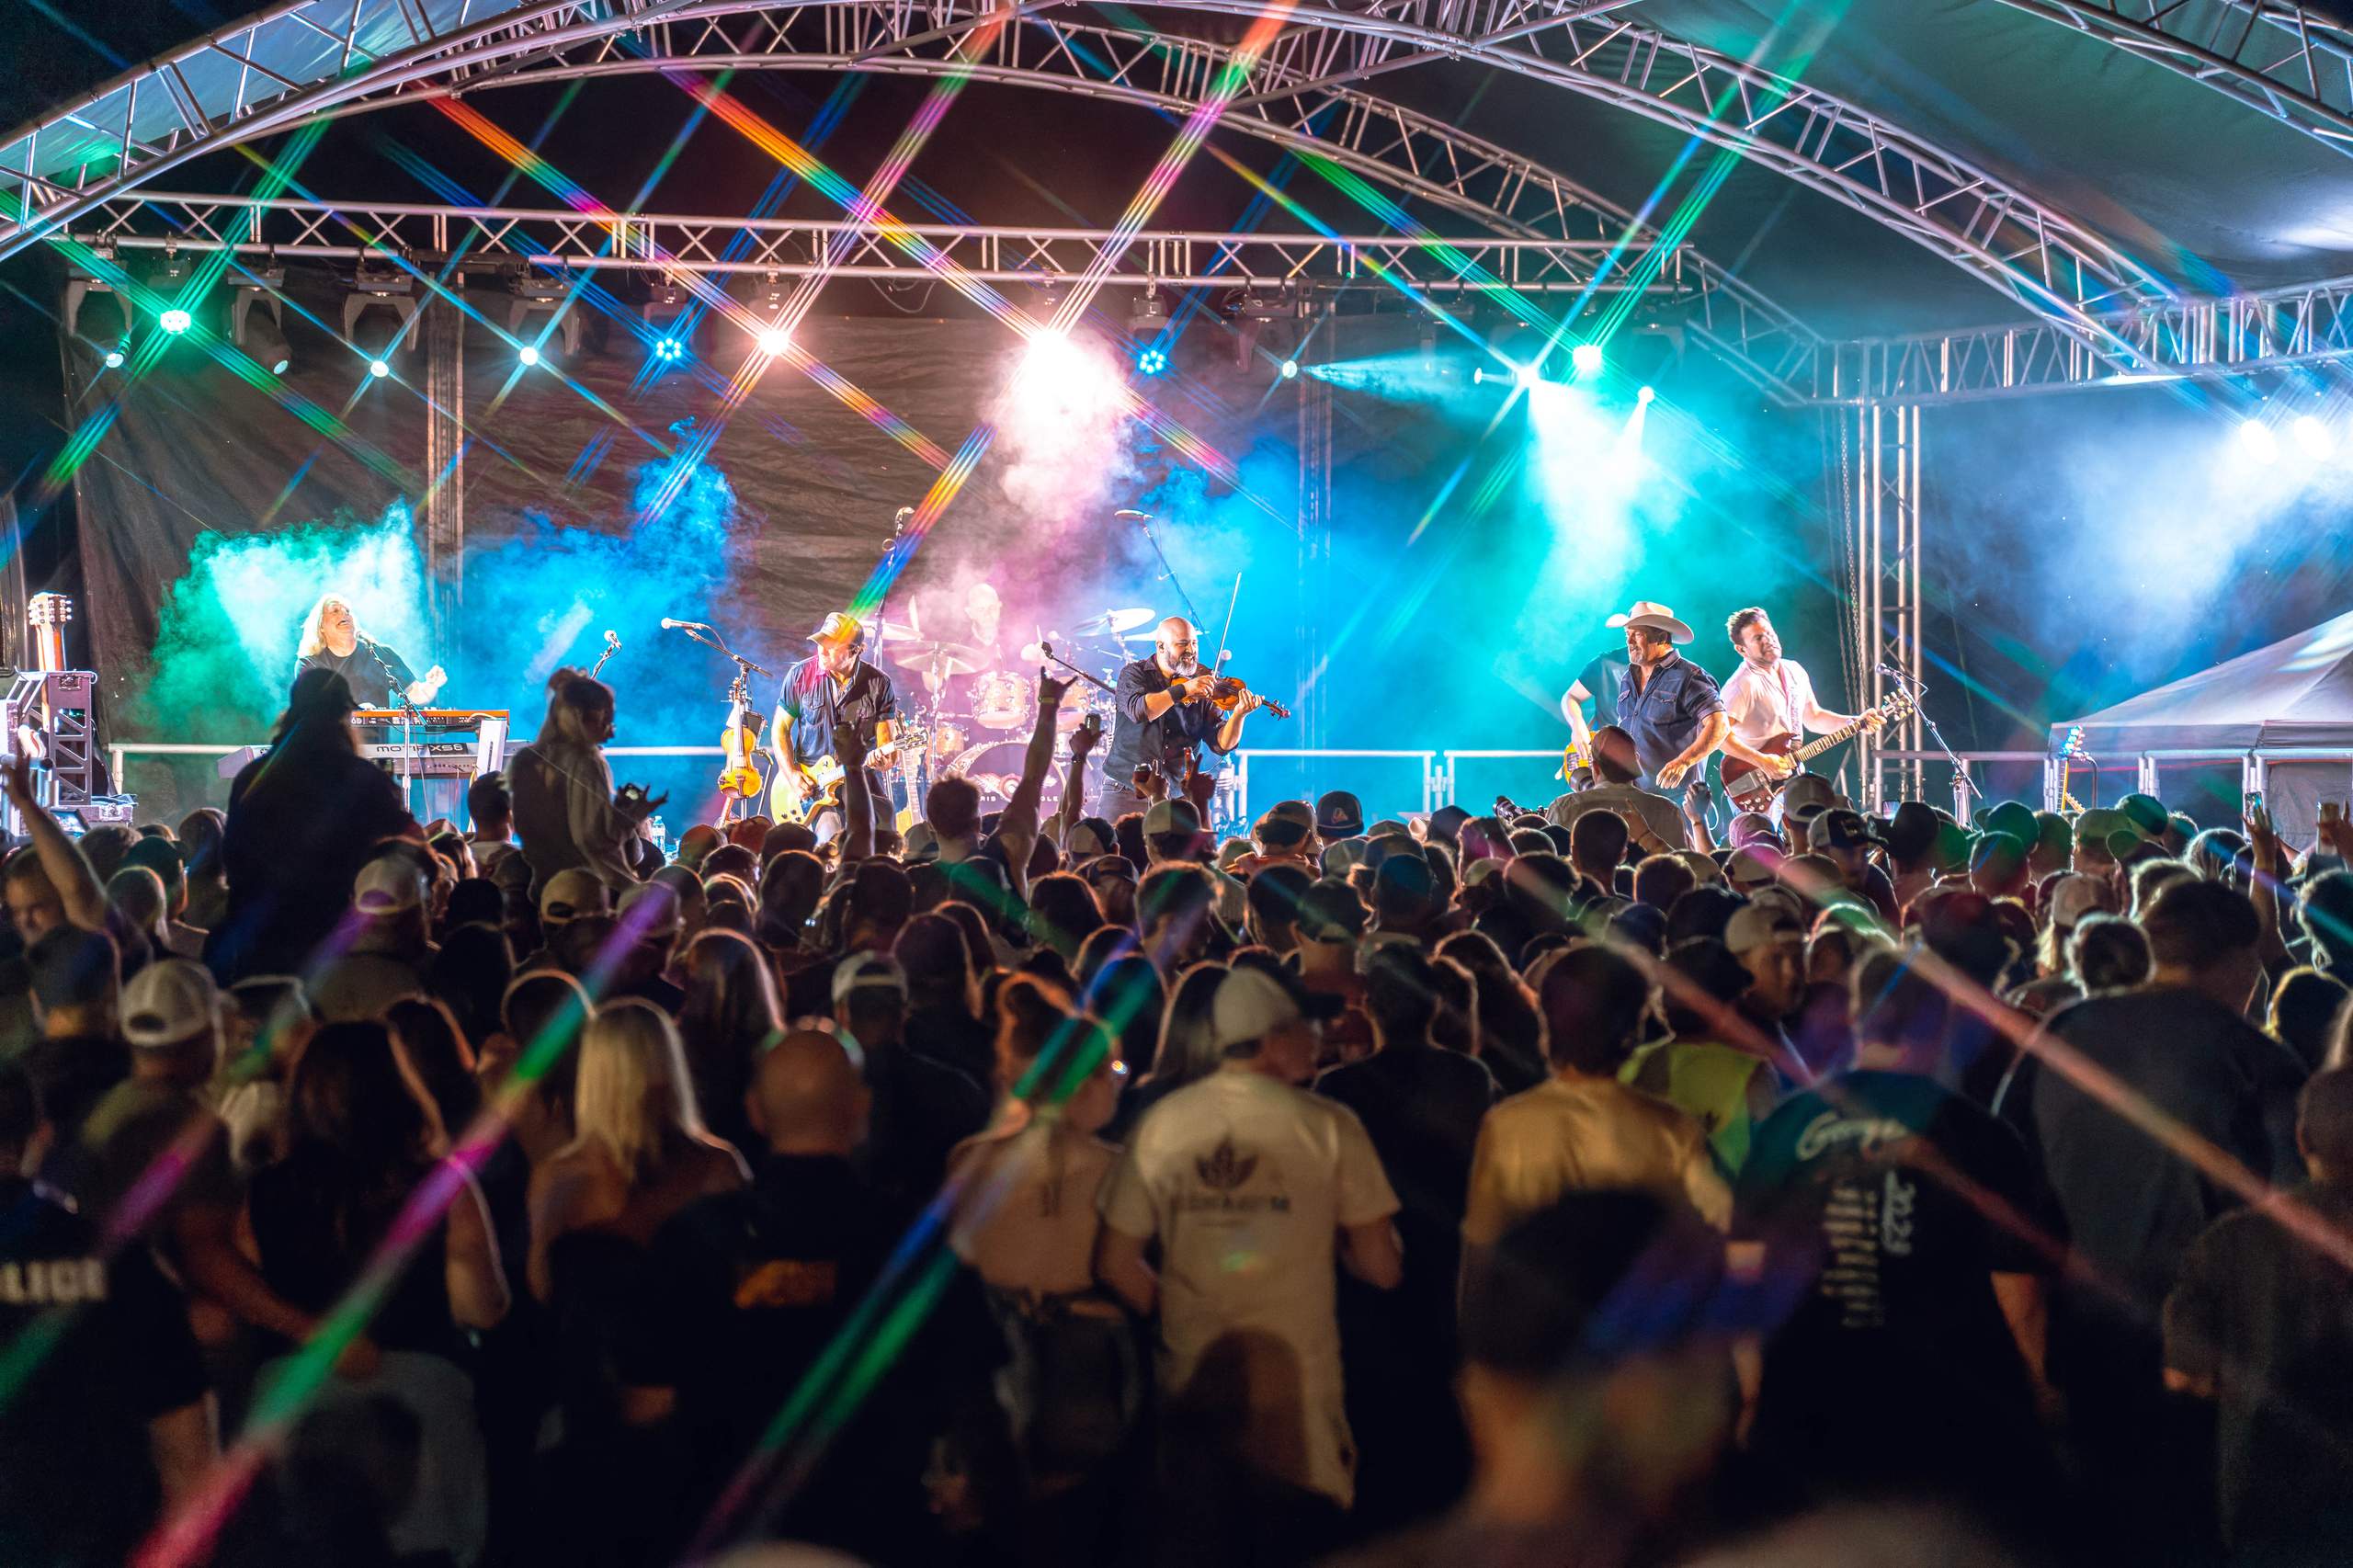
49 610
2073 744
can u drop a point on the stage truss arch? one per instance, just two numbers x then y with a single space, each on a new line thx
340 56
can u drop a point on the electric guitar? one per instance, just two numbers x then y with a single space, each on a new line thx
823 780
1752 788
2074 747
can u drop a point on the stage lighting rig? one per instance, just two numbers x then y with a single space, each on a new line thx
1152 360
257 318
164 283
1586 359
81 282
531 293
666 313
1149 314
380 285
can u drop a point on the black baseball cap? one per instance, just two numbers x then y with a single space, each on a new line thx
1338 814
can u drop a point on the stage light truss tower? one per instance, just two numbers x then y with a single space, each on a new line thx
1883 513
53 707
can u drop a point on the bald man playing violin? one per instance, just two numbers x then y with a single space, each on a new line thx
1165 717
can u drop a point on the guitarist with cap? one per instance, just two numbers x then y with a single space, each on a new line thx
1771 703
835 685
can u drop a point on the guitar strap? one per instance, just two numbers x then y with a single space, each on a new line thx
1790 715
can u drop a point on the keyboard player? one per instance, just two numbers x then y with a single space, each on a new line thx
378 676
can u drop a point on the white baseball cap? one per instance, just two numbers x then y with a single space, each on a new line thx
168 1003
387 885
1252 1003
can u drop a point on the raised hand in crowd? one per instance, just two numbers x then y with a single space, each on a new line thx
1050 690
1087 736
2335 830
1149 783
631 801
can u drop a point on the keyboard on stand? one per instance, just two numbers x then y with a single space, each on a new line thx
434 742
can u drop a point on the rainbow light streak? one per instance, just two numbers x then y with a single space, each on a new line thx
716 299
1230 79
877 1330
187 1537
734 113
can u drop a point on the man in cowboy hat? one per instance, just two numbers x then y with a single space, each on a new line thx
833 685
1670 705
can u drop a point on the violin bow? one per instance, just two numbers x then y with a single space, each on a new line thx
1225 631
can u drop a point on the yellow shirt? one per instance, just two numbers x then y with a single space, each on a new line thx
1585 1135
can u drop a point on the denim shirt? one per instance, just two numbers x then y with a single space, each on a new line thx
810 704
1665 713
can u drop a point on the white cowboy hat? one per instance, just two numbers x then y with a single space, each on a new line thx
1654 618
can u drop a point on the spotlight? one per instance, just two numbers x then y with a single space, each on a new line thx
175 321
2311 437
1290 370
114 359
528 354
773 341
2257 440
669 350
378 370
1149 314
1526 376
1152 361
1645 397
1587 358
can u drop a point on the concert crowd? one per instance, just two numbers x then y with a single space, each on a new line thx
1627 1182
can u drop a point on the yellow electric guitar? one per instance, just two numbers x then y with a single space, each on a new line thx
820 790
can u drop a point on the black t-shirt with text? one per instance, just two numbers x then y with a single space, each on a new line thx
77 1485
1885 1203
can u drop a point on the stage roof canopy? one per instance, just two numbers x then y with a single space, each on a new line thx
2296 692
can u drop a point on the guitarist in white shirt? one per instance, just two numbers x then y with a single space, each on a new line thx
1769 696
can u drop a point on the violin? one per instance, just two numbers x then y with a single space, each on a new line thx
739 778
1226 692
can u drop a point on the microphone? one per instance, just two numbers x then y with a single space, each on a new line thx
612 640
903 513
669 625
1133 517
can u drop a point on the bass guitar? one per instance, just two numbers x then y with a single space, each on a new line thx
1754 788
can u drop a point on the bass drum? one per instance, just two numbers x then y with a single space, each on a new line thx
994 768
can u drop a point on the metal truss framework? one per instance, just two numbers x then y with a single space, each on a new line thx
358 57
1880 495
2284 60
2272 329
493 237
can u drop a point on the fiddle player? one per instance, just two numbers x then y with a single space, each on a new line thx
1165 716
835 685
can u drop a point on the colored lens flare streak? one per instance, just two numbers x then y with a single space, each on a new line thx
733 112
712 295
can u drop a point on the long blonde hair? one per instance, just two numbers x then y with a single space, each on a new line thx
633 1095
314 638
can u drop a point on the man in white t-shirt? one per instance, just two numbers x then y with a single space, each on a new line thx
1252 1188
1770 696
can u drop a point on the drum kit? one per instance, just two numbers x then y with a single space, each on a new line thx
978 728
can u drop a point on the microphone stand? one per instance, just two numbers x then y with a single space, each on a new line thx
411 715
1964 789
1168 573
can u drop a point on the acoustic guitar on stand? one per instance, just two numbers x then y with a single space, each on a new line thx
1754 788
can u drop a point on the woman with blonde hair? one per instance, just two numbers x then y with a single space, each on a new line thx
566 811
332 641
639 1153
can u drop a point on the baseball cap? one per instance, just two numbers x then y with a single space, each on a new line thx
1753 865
1230 851
572 892
1171 816
1807 789
2072 896
2013 817
1798 817
1389 827
1447 821
869 971
1341 853
921 841
1252 1003
1912 832
1753 827
1286 822
2000 852
1753 925
168 1002
1111 865
2145 814
387 885
1089 837
1338 814
840 628
1330 911
1839 829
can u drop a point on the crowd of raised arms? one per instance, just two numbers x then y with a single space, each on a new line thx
1557 1188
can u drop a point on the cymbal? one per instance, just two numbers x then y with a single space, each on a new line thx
894 630
1113 621
943 658
1033 653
